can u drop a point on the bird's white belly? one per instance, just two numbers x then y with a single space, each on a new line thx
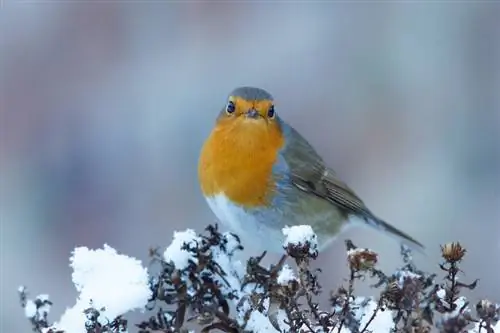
252 232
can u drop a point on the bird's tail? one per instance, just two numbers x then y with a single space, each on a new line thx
402 237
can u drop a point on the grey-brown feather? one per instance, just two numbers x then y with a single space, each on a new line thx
310 174
251 94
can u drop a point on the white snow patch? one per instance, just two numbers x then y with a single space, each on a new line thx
441 293
286 275
110 282
30 309
175 252
300 235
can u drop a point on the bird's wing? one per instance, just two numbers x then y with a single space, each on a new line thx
328 186
309 173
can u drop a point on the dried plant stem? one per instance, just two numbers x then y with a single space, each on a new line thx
350 292
374 314
452 277
204 290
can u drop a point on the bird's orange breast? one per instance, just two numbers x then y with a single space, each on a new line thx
237 160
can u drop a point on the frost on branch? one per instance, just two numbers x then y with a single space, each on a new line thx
199 283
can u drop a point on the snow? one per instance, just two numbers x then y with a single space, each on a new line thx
231 282
441 293
401 275
286 275
73 319
232 242
174 253
115 284
110 282
258 322
300 235
381 323
496 328
234 269
100 276
30 309
261 322
355 251
235 272
460 302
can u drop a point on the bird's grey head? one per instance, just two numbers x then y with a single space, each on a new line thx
249 103
251 94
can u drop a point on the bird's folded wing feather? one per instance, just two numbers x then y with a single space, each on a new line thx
329 187
309 173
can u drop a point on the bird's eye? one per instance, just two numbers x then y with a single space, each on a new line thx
270 112
230 107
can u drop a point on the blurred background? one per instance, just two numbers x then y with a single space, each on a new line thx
104 108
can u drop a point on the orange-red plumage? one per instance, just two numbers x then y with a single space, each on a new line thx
238 157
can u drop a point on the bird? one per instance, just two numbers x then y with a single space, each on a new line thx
258 175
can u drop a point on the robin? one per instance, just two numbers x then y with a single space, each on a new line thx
258 174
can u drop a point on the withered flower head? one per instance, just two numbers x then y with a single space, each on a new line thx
393 293
452 252
487 310
205 318
421 329
306 250
361 259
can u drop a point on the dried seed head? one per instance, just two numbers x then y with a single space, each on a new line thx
421 329
393 293
452 252
302 251
152 251
205 318
487 310
361 259
339 297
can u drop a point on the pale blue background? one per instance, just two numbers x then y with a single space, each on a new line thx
105 107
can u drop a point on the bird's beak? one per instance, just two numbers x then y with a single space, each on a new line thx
252 113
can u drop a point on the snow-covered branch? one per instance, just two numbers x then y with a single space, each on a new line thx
199 284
